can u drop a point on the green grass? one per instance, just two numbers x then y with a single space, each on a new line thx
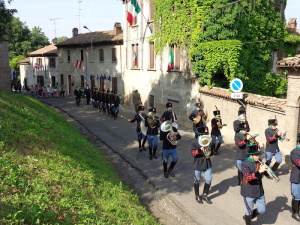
50 174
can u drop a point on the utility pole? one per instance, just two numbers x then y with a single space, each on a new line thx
54 20
79 9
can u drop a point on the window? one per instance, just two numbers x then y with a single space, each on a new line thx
101 55
115 83
82 81
61 80
81 55
151 9
175 51
114 55
151 101
53 81
39 61
52 63
69 55
177 58
40 80
135 56
151 56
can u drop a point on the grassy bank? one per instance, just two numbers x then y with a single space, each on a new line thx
50 174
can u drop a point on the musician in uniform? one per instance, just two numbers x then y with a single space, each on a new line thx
87 93
139 118
152 124
169 146
77 93
201 152
103 97
252 189
295 180
107 96
115 105
216 126
169 114
136 98
99 97
198 117
94 99
272 148
111 100
241 144
242 118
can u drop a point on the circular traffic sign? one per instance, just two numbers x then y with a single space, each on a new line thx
236 85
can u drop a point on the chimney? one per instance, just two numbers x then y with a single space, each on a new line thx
54 41
292 24
117 28
74 32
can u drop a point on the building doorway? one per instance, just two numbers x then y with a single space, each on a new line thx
69 85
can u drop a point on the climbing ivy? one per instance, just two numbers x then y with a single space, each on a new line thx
237 40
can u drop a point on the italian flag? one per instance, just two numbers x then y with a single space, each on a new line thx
134 59
133 10
171 61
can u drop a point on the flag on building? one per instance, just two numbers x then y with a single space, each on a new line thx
171 60
134 60
78 64
37 66
104 77
133 10
109 78
97 77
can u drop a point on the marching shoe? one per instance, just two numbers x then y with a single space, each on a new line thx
165 165
166 174
247 219
171 173
150 157
295 208
204 196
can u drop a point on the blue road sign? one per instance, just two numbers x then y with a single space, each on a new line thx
236 85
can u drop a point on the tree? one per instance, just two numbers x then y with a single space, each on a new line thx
13 63
38 38
5 17
60 39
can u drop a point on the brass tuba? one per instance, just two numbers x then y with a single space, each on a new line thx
151 120
167 127
204 142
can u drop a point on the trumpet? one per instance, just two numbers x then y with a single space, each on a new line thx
282 136
269 171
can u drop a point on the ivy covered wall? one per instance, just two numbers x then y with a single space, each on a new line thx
228 39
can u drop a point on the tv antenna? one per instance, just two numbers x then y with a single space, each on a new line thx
79 9
54 20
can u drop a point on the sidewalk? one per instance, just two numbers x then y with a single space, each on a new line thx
227 207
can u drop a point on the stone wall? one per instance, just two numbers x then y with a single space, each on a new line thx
4 67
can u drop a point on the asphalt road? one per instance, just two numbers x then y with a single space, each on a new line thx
227 207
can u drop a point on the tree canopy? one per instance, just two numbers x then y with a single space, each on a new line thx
5 18
227 39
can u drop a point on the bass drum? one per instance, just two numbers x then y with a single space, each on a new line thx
143 128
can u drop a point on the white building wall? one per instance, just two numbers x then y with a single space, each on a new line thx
91 65
178 86
30 73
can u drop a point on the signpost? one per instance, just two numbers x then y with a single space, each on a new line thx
236 85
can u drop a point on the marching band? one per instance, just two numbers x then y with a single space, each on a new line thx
251 169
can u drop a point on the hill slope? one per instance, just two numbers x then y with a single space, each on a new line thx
50 174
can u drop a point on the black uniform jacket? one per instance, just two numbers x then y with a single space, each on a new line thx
295 158
200 160
103 97
77 93
236 126
116 101
193 115
214 127
163 137
252 179
168 115
154 130
240 146
138 119
87 92
272 140
111 99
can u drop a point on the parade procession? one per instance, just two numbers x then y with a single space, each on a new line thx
252 163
